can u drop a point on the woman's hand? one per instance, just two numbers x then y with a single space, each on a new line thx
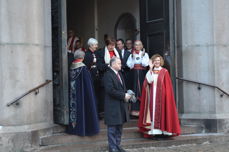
151 65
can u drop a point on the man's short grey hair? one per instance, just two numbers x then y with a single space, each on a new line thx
113 60
92 41
79 54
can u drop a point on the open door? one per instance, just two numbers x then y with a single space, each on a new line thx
155 26
154 16
157 30
60 64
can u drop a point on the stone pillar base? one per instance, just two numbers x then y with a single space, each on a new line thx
210 124
25 138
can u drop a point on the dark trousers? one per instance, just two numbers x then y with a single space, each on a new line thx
114 134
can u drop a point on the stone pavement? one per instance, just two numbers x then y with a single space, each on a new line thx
219 143
205 147
214 142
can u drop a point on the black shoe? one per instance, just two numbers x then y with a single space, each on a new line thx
101 115
121 149
133 117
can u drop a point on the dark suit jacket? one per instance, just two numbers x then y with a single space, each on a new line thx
115 108
102 66
124 60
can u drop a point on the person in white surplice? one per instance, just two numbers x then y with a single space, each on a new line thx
138 62
158 113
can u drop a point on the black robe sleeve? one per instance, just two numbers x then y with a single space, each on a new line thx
101 65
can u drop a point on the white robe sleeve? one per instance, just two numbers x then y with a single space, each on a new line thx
145 60
130 62
149 76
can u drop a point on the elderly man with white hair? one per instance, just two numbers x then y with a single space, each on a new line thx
83 118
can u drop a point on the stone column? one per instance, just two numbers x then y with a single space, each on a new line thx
204 36
25 62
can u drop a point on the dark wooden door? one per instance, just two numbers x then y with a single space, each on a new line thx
60 66
155 28
157 31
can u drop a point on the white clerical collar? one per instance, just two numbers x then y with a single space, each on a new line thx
130 50
123 50
159 68
140 53
116 72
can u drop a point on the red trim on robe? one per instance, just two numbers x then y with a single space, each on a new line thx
77 60
166 115
135 51
70 47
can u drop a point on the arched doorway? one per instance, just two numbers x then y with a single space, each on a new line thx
126 27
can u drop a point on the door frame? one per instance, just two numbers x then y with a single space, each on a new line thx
64 58
60 79
173 42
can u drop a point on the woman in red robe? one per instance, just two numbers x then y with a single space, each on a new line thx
158 113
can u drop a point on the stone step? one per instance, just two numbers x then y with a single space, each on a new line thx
62 128
63 138
186 129
60 140
130 123
100 146
129 132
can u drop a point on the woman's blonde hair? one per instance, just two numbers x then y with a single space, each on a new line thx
161 58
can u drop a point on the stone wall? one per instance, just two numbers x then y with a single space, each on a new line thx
109 13
89 20
204 45
81 18
25 61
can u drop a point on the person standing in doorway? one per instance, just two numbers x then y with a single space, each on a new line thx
124 56
71 42
129 45
138 62
116 104
90 61
79 46
158 113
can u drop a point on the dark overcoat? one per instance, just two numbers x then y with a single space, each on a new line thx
116 109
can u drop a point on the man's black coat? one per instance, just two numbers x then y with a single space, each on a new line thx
115 108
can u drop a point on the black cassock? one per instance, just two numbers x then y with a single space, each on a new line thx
96 79
83 118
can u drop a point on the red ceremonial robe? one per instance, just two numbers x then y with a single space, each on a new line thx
166 116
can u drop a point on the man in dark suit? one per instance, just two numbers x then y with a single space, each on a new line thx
116 104
124 55
129 45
